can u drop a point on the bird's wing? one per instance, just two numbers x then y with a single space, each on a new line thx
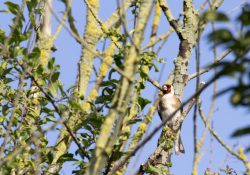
178 103
158 109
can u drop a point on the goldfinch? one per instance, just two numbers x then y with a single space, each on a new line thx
168 103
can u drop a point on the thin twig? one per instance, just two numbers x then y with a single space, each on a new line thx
160 38
102 25
217 137
195 107
196 149
202 6
212 105
153 82
63 20
217 60
122 13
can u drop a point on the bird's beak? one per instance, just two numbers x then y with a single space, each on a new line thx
165 88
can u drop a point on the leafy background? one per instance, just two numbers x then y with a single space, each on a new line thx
231 112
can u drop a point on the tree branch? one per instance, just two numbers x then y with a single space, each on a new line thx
239 156
154 83
217 60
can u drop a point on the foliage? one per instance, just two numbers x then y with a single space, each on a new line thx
102 123
239 68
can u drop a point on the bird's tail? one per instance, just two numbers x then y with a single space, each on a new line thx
178 146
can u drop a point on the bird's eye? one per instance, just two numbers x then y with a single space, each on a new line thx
168 86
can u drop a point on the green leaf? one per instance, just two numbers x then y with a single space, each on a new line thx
155 67
153 170
111 82
51 119
24 135
66 157
213 15
72 87
241 132
62 108
15 120
96 120
18 51
35 53
244 16
13 8
8 80
118 58
236 98
103 99
34 57
53 89
5 109
32 4
133 121
2 118
4 72
4 11
51 64
55 76
143 102
221 36
48 111
75 105
161 60
50 157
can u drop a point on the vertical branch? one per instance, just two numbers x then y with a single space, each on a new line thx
188 38
155 24
143 125
122 95
46 21
133 111
104 67
87 58
196 149
45 41
138 135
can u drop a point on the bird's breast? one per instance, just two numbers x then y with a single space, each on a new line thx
167 105
167 102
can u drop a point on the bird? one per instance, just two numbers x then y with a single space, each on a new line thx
168 104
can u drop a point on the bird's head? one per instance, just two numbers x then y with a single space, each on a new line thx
167 88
